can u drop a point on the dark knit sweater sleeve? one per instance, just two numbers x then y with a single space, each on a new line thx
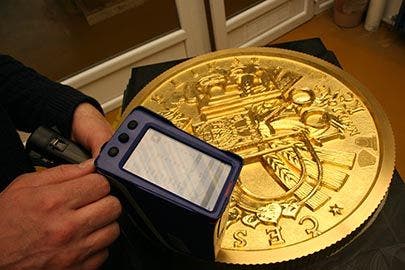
31 99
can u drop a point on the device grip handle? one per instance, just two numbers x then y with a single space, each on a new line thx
48 148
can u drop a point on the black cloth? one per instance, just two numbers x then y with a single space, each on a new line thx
28 100
382 246
400 19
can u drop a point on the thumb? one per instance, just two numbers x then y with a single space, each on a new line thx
97 141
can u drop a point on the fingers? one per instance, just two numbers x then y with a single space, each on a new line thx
97 142
102 238
82 191
55 175
95 246
90 128
63 173
98 214
94 261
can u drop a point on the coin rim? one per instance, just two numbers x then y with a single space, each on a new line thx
369 203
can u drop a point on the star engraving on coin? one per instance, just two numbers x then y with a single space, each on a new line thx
335 209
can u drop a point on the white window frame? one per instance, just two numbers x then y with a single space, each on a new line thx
107 81
322 5
267 12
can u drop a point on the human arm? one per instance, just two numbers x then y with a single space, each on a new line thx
31 99
33 235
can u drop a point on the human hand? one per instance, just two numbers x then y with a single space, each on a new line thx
60 218
90 128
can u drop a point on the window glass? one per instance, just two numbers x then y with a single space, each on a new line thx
59 38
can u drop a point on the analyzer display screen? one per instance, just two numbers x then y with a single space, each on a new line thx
178 168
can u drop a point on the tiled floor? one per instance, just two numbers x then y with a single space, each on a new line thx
375 59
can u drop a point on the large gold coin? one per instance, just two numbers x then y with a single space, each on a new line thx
318 150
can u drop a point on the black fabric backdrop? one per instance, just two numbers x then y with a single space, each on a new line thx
381 246
400 20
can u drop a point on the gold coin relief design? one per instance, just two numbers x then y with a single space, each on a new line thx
311 138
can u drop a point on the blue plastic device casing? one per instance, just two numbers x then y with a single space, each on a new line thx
173 221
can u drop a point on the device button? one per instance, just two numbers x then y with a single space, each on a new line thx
132 124
123 137
58 144
113 151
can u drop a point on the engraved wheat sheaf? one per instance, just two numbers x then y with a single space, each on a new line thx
281 170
